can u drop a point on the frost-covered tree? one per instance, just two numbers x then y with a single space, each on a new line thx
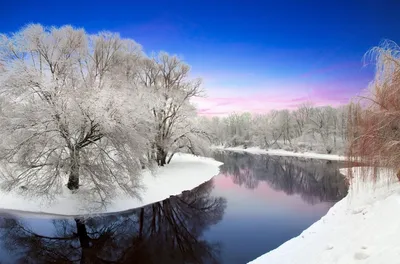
323 124
266 130
301 117
71 109
175 123
308 128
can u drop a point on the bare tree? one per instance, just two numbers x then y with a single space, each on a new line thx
374 121
323 123
72 111
308 128
267 131
174 116
301 117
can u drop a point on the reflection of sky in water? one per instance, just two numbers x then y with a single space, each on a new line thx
41 226
256 221
260 219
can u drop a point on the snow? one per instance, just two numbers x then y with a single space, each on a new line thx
361 228
281 152
185 172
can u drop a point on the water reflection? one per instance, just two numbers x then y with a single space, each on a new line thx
166 232
314 180
279 198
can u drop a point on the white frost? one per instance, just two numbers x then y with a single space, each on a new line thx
185 172
361 228
281 152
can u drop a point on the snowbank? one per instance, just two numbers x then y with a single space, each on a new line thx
185 172
361 228
281 152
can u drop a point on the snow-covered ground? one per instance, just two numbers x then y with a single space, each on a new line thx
185 172
281 152
361 228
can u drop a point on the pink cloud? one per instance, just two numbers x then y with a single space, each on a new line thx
333 85
279 95
262 104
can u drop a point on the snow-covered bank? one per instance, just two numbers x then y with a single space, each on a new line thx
281 152
185 172
361 228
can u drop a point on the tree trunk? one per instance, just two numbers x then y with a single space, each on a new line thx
161 156
84 241
141 221
163 160
73 181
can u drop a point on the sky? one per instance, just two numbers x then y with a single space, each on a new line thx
253 56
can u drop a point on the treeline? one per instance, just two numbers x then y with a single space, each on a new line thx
308 128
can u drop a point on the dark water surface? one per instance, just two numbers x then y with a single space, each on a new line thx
256 203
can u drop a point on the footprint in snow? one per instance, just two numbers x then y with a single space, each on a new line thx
357 211
360 256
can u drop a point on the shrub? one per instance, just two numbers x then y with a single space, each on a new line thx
374 120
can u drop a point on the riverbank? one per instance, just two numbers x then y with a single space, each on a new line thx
185 172
281 152
361 228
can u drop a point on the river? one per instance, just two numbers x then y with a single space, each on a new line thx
255 204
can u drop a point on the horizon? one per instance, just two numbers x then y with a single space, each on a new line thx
253 58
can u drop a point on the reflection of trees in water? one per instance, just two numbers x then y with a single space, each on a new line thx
240 167
165 232
314 180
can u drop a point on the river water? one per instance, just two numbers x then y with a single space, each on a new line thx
255 204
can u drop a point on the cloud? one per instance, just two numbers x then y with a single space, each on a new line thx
316 87
254 104
265 102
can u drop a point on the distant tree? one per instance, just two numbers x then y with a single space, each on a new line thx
374 121
343 113
301 116
214 128
174 116
321 129
284 120
71 109
323 124
266 130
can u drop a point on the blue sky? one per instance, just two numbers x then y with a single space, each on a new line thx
252 55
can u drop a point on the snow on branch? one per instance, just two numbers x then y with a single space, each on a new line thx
89 110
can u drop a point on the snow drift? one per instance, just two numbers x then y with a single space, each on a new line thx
185 172
281 152
361 228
